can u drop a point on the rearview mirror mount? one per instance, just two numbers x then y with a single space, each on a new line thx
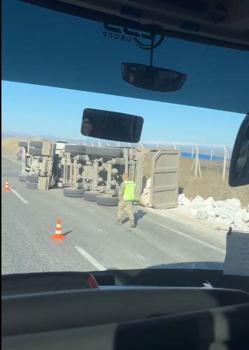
239 168
112 126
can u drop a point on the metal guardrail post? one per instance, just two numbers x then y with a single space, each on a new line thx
197 162
192 152
196 158
211 154
224 163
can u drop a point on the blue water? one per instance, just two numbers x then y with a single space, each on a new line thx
201 156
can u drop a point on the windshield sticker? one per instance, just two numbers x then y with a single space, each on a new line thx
142 40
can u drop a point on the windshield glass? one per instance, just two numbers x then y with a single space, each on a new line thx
77 203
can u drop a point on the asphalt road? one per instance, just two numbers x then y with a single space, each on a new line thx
93 240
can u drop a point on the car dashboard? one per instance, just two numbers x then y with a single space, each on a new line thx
125 310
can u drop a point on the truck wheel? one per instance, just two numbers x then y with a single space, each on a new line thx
73 192
107 200
23 178
32 185
90 196
32 178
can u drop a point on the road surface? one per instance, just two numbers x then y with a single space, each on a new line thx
93 240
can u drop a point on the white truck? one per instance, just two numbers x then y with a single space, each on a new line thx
95 173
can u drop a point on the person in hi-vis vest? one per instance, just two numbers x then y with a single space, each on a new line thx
126 199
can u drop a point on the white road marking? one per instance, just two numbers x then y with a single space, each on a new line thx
90 258
12 190
197 240
19 196
12 160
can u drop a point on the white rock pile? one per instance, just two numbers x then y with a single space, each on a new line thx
226 213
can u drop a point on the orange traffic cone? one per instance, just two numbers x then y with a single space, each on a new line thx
58 235
7 187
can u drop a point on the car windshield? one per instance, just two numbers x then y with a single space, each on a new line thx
83 203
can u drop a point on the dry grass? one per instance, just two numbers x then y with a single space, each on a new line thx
10 146
210 184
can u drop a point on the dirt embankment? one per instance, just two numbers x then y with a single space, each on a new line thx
210 184
10 146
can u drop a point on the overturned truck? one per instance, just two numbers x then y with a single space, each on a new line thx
95 173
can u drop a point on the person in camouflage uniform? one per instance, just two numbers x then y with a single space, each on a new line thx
126 200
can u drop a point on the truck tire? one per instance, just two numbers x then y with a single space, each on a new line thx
73 192
36 144
23 144
104 152
76 149
35 151
23 178
32 185
90 196
107 200
32 178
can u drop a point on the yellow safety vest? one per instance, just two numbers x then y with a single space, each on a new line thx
129 191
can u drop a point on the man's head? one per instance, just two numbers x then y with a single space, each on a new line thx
132 78
125 177
87 126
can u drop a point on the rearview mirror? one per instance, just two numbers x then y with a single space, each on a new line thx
239 168
152 78
111 125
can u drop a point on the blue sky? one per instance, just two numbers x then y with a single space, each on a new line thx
46 111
